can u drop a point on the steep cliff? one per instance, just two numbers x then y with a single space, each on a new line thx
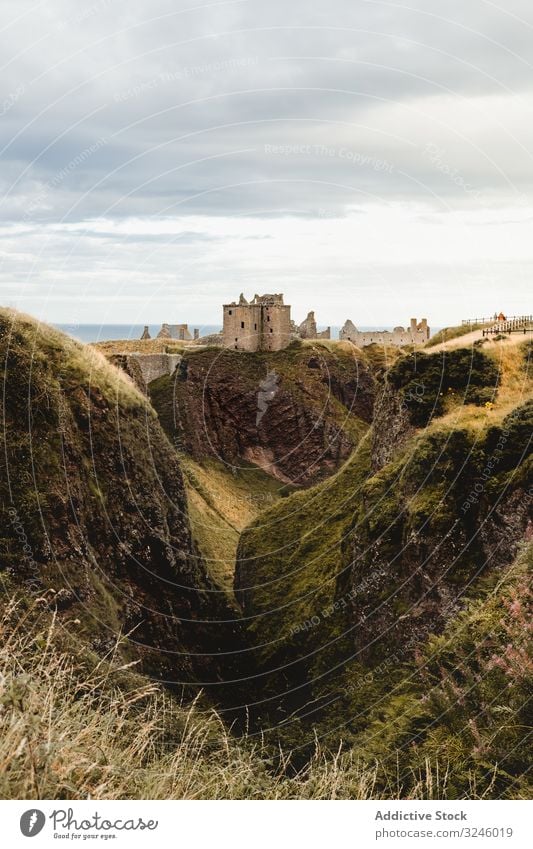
297 413
94 513
454 506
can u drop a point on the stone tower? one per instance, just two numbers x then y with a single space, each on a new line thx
264 324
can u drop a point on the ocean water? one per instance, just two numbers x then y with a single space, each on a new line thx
109 332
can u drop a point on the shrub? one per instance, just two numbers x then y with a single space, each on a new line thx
425 381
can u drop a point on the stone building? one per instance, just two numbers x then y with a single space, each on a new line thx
264 324
415 334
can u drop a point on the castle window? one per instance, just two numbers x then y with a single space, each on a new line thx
236 339
242 325
255 326
268 318
230 312
271 330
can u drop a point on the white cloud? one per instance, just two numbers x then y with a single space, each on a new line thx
366 158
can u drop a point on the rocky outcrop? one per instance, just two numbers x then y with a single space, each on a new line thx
392 426
452 509
299 428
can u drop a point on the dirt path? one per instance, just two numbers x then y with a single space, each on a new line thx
469 339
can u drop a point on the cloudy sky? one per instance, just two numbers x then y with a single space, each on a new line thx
369 159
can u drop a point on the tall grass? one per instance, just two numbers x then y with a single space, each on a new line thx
35 341
75 728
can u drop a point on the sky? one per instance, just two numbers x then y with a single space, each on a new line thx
371 160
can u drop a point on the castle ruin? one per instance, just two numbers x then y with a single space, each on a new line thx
415 334
264 324
175 331
308 329
179 332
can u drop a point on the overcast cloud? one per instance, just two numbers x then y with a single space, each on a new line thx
370 159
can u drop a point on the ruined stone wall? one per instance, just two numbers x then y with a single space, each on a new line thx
415 334
308 329
276 327
242 327
175 331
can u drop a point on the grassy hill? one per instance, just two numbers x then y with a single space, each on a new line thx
466 704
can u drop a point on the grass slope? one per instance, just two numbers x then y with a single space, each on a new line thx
455 332
458 726
221 504
289 559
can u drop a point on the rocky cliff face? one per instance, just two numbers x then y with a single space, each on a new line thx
94 511
451 509
392 426
297 413
444 506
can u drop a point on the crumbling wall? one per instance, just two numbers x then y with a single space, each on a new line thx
308 329
175 331
415 334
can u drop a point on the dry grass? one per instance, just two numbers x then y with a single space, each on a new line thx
515 387
141 346
71 728
68 731
43 341
449 333
464 340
